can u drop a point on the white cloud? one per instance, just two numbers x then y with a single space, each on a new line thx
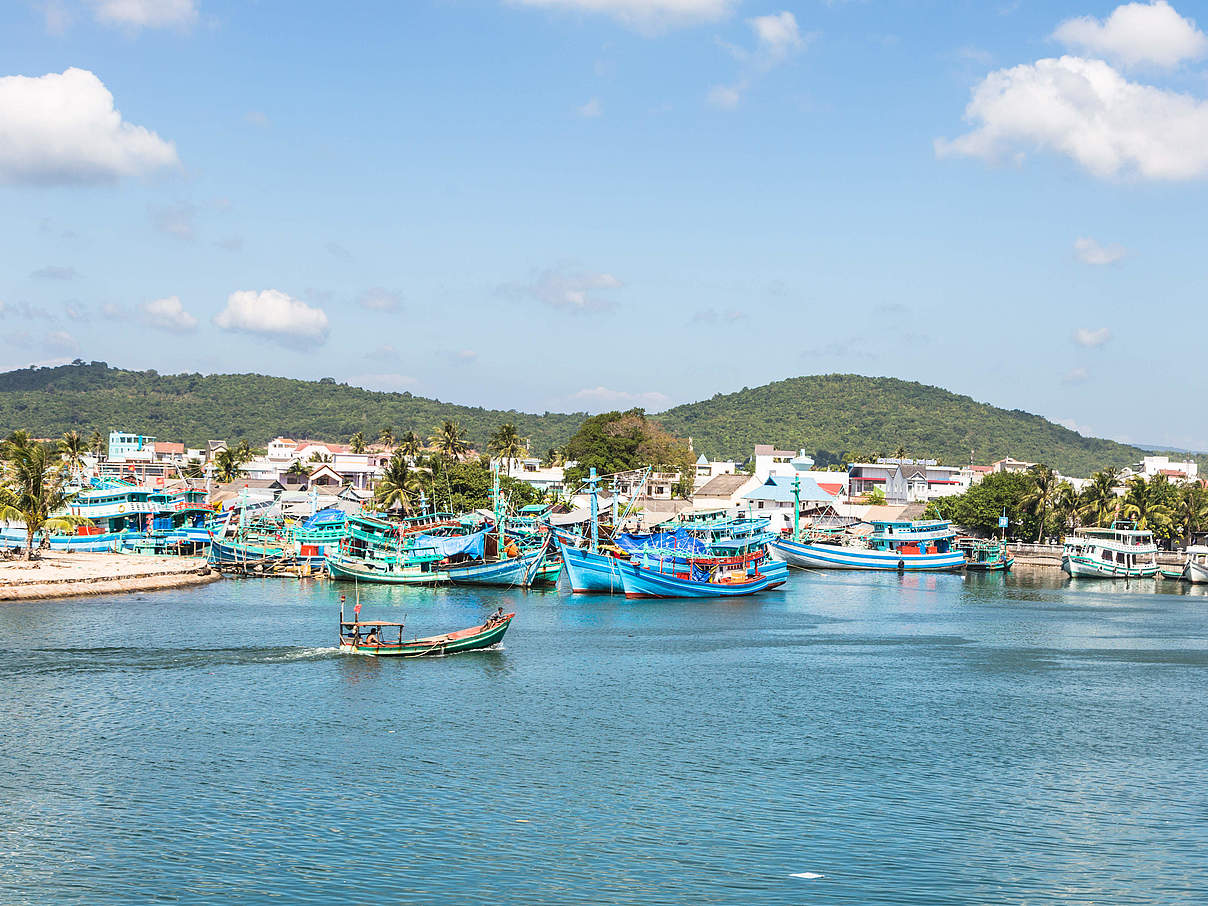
1136 34
62 342
145 13
379 298
1086 110
645 15
1092 336
1091 252
1077 427
387 383
63 128
591 109
271 313
777 37
168 314
575 291
603 397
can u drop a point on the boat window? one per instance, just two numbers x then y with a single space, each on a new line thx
1107 555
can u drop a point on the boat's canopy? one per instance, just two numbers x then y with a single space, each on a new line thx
451 545
680 542
329 516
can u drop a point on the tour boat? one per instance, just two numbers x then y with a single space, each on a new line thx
1195 567
905 545
1122 551
648 576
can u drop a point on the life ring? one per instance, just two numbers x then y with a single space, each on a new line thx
121 507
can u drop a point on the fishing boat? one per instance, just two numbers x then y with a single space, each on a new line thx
985 554
373 637
891 545
112 514
704 577
1120 552
1195 566
519 571
390 554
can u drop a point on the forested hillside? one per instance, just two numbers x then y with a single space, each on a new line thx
829 415
834 414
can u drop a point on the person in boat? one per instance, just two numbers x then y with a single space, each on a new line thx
373 638
496 617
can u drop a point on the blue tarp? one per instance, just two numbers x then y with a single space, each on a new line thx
325 517
448 545
679 542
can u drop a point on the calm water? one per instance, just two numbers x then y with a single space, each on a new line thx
918 739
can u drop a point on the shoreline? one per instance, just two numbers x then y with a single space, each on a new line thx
68 575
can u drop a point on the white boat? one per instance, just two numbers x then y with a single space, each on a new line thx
1120 552
1195 567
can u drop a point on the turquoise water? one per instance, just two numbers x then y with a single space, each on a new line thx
909 739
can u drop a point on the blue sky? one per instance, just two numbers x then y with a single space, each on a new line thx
585 204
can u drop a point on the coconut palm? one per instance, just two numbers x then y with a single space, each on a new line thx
228 464
71 449
96 443
1043 497
1191 510
1065 506
411 445
35 491
1098 499
386 437
356 443
1141 505
399 484
449 441
507 444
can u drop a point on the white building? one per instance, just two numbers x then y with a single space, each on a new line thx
707 470
1178 472
530 471
908 480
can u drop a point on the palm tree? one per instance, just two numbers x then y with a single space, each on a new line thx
319 457
1066 505
398 485
449 441
228 464
96 444
507 444
356 443
411 445
1098 499
1191 510
71 448
35 493
900 453
386 437
1043 497
1142 507
194 468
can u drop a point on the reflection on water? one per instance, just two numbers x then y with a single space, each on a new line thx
853 738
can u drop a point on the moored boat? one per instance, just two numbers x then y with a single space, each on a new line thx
985 554
899 545
1120 552
1195 567
705 577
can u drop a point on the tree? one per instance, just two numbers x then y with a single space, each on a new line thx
507 444
35 490
449 442
979 508
96 444
317 457
71 449
874 497
228 464
386 437
1142 505
1191 511
398 485
1098 500
356 443
411 445
622 441
1042 498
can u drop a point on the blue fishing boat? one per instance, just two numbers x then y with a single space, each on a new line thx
592 573
706 577
905 545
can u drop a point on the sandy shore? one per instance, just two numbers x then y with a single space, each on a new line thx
61 575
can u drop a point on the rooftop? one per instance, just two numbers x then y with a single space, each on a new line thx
723 485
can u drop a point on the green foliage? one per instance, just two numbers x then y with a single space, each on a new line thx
233 407
507 444
463 486
34 488
621 441
847 412
979 507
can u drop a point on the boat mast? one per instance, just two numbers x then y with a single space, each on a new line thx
592 483
495 505
796 507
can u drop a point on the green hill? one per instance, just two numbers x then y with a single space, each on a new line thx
831 414
828 415
232 407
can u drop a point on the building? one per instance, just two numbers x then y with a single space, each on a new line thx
907 480
775 498
1011 465
725 492
530 471
122 444
767 460
1178 472
707 470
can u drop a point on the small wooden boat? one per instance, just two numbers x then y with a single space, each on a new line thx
985 554
373 638
1195 567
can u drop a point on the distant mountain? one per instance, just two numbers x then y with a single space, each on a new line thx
829 415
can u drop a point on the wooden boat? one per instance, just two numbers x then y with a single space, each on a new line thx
1195 567
1120 552
592 573
900 545
985 555
705 577
355 638
513 571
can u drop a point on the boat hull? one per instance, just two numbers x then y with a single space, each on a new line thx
437 646
357 571
109 541
1196 573
640 582
1089 568
507 573
997 566
833 556
590 573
